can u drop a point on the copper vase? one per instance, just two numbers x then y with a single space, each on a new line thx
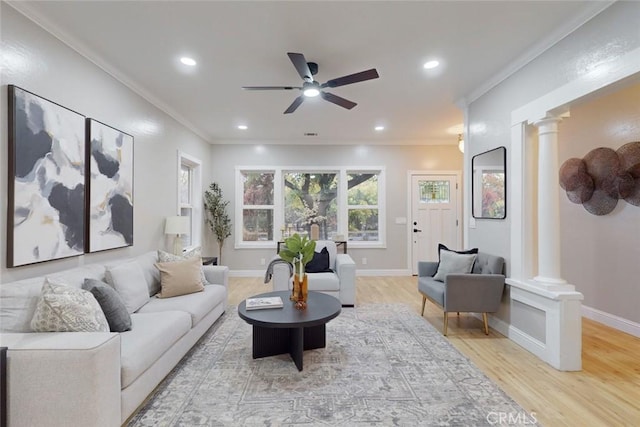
300 291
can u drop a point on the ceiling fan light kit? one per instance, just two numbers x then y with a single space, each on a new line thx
311 88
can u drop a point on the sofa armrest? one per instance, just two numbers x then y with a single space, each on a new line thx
216 274
63 378
477 293
427 268
346 271
281 278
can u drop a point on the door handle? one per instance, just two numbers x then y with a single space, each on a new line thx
415 230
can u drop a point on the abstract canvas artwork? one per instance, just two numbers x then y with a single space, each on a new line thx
110 201
46 187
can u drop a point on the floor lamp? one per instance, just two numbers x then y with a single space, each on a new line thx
177 225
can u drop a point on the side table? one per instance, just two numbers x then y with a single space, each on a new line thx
210 260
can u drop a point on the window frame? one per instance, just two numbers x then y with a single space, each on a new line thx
195 196
278 200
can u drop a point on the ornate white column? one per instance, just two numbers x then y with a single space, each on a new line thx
548 203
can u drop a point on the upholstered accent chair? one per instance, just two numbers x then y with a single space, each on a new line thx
479 291
339 280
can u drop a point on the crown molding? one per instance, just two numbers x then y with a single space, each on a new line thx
24 8
536 50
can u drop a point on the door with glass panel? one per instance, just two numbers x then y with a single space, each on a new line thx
434 216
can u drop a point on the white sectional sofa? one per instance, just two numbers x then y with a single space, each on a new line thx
99 378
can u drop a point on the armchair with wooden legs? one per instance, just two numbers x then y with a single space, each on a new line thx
477 292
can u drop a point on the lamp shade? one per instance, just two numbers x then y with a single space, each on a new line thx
176 225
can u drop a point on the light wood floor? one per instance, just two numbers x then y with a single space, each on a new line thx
605 393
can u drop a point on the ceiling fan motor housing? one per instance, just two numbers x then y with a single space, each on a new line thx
313 67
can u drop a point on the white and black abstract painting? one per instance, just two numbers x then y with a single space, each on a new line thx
46 180
110 202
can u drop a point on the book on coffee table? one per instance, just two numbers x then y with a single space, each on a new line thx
260 303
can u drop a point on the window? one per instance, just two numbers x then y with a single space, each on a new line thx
190 197
311 198
275 202
362 201
257 206
434 191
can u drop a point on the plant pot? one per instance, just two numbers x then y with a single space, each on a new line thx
300 291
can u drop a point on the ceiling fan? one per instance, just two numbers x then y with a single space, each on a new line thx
311 88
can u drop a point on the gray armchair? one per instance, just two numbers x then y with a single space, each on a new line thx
477 292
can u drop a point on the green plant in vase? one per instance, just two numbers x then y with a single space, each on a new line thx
299 252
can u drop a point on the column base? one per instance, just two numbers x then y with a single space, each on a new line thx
552 284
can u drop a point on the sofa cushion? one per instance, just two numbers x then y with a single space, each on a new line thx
128 279
151 335
18 301
323 282
111 303
198 305
488 264
180 277
431 287
151 274
454 263
75 276
319 263
63 308
331 248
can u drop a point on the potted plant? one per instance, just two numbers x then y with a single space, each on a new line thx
298 251
217 218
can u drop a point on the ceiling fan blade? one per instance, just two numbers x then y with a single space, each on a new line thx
294 105
345 103
270 87
300 63
352 78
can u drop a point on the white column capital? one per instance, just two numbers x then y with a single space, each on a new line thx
548 124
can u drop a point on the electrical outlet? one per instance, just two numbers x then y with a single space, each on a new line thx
364 261
262 261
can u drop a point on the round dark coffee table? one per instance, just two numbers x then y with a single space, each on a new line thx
288 330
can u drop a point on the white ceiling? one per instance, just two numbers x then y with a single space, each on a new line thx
244 43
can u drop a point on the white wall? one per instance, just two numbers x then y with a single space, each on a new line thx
36 61
396 159
599 42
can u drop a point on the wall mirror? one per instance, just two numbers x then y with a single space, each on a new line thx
489 184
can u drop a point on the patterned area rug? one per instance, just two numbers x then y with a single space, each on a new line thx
383 365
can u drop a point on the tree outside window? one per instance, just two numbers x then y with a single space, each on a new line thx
310 198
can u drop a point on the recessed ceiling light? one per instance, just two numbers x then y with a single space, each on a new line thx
431 64
188 61
243 127
379 128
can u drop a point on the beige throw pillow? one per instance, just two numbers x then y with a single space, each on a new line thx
180 277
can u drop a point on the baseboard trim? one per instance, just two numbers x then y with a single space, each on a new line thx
246 273
611 320
364 273
387 273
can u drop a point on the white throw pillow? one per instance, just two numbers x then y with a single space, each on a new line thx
454 263
128 280
63 308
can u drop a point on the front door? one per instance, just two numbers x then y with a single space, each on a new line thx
434 216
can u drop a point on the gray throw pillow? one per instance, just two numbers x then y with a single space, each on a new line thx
111 303
454 263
